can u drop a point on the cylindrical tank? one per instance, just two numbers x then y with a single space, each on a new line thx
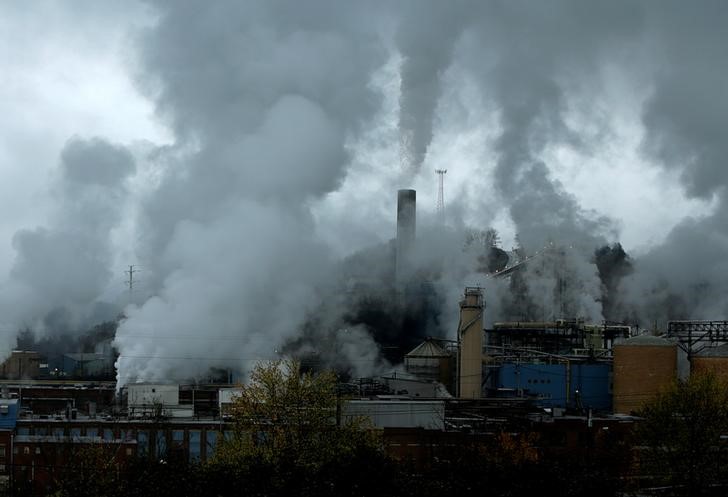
712 360
643 366
406 225
429 361
470 339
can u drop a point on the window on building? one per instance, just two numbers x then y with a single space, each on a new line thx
128 451
127 434
26 450
24 430
2 450
58 432
143 442
92 432
178 438
41 431
211 442
195 445
75 432
108 434
37 450
161 444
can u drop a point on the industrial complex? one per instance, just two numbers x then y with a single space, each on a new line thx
565 379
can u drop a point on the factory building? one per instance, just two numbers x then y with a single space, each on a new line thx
564 365
20 365
576 385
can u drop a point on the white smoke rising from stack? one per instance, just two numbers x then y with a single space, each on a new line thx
230 225
425 39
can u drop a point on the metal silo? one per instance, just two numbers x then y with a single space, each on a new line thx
643 366
711 360
429 361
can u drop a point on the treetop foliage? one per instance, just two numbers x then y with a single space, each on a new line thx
683 436
284 414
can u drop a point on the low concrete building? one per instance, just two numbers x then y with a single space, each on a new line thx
154 400
428 414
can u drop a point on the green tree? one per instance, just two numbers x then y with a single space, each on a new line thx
289 438
91 470
682 437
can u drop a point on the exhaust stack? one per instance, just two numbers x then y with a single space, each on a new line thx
470 344
406 224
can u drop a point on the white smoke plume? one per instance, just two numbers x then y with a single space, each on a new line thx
269 116
425 39
61 270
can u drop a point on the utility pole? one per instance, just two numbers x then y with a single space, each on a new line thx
441 192
130 281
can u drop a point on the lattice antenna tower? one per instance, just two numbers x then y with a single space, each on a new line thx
441 191
130 282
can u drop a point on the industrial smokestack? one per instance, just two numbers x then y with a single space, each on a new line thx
470 344
406 222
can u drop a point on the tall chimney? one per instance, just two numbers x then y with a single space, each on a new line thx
406 222
470 342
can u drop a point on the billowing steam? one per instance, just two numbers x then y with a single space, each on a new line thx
425 39
276 108
61 271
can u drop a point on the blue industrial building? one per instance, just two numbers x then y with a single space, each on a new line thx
8 413
586 385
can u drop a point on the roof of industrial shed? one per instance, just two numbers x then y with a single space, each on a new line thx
647 340
428 348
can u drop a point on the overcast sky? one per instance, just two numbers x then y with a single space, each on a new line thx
564 120
67 69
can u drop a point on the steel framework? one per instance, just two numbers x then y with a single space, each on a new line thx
694 336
